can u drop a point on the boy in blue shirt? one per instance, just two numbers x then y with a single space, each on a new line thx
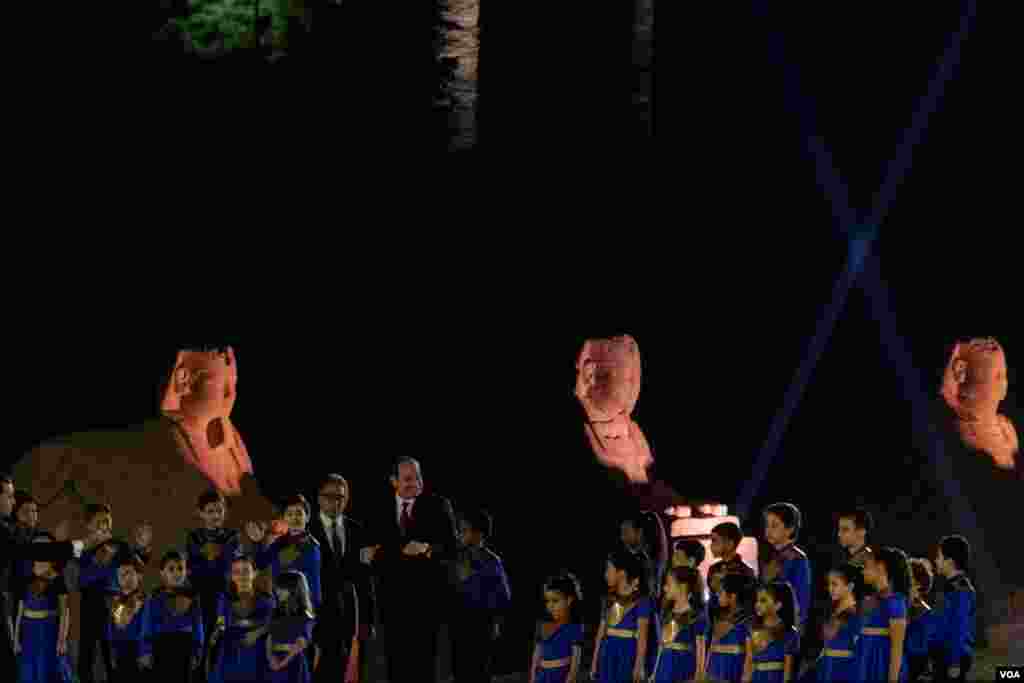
959 612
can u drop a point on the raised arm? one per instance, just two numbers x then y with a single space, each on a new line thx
597 647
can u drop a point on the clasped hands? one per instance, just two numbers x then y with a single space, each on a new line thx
411 549
280 662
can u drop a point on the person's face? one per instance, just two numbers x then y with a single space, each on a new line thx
173 574
719 546
127 578
557 605
774 530
101 522
726 600
849 535
28 515
915 588
333 499
6 499
213 515
943 563
837 587
470 536
296 518
766 606
629 534
986 378
42 569
243 575
408 484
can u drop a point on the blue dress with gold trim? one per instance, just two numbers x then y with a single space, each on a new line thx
242 653
677 649
618 649
299 552
727 648
37 630
556 651
771 646
874 646
838 659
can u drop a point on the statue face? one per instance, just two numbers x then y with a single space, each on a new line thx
202 385
608 377
976 377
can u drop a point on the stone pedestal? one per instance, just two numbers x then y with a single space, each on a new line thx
698 521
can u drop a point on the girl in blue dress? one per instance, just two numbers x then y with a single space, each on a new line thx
238 648
922 623
684 627
880 649
774 641
128 625
291 631
621 649
728 656
41 627
559 639
838 660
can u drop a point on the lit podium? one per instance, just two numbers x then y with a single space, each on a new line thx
696 522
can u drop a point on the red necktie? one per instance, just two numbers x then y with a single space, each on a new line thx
405 519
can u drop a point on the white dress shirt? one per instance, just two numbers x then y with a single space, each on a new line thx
399 502
335 529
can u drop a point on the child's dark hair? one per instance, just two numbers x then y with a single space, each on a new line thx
479 520
782 593
788 513
171 556
743 587
693 548
21 499
211 496
298 602
691 578
94 509
632 566
730 531
861 518
134 560
921 570
958 549
295 499
897 568
568 585
853 576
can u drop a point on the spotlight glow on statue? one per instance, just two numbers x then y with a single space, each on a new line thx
973 386
608 386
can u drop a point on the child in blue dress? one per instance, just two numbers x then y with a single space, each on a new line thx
237 647
128 624
880 649
774 641
559 639
921 620
684 627
291 631
296 550
176 622
621 647
838 659
41 627
728 656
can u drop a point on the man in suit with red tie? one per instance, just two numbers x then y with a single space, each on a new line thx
346 615
416 537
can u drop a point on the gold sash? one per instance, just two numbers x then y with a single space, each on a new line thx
620 633
283 648
555 663
678 647
38 613
726 649
768 666
874 631
829 652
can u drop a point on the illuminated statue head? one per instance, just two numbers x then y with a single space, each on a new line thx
199 398
608 386
973 386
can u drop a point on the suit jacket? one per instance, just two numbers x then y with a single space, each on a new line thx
415 582
344 580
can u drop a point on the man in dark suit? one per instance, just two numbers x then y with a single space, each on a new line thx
416 538
15 546
348 600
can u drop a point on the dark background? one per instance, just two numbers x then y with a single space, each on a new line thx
710 243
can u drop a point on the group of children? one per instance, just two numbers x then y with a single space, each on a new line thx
226 610
880 626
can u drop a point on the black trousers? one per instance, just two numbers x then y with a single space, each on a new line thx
172 657
942 670
411 636
472 647
917 666
8 664
334 641
93 641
